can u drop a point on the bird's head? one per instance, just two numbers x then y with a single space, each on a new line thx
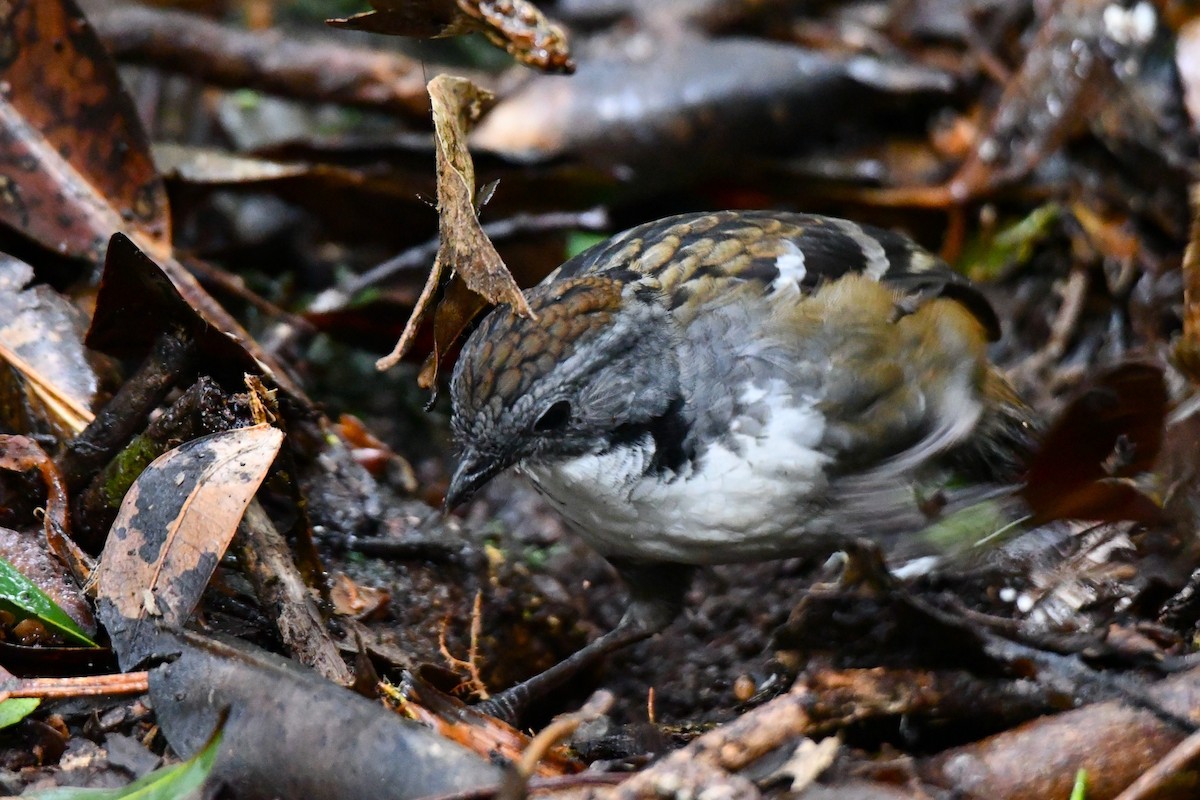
595 364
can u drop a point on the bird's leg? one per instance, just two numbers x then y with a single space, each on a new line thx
656 598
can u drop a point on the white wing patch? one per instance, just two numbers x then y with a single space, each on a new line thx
792 269
876 258
749 502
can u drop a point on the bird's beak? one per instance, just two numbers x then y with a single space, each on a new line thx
473 471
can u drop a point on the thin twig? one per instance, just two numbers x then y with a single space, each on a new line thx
85 686
1166 769
419 257
474 682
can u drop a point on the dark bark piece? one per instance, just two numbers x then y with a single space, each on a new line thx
96 507
128 410
286 599
1113 742
291 734
669 113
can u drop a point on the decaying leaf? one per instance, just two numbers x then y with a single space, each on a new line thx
172 529
465 249
138 300
516 26
41 337
1110 433
458 307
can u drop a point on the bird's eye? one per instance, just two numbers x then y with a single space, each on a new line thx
554 417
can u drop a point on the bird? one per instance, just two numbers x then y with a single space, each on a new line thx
735 386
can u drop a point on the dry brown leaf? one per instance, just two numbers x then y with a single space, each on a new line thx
41 337
458 307
172 529
465 249
351 599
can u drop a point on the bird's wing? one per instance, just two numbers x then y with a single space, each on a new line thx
883 337
697 258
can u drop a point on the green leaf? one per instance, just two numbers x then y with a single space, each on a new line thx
165 783
986 257
27 600
15 709
578 241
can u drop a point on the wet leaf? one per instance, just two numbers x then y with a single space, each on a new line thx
74 161
27 600
139 298
15 709
30 555
173 527
465 249
516 26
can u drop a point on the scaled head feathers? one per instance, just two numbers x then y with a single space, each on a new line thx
559 385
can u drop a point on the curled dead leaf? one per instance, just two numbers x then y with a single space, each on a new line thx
465 249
